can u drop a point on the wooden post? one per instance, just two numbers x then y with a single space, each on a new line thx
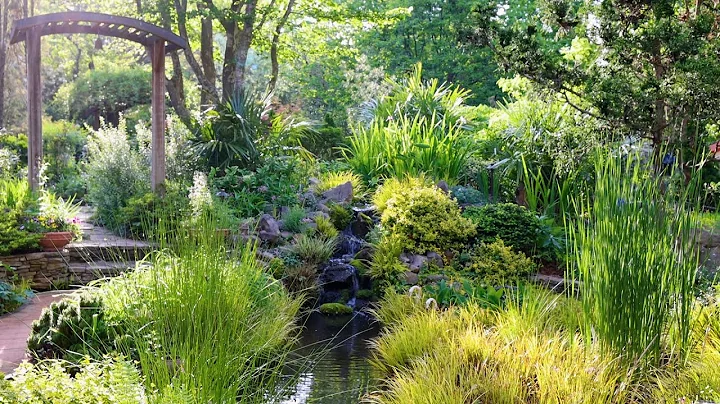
34 102
157 159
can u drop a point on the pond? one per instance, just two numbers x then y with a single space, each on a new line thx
336 353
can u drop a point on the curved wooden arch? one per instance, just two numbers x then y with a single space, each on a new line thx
158 42
78 22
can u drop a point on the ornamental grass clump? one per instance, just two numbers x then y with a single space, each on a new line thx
636 260
410 145
209 324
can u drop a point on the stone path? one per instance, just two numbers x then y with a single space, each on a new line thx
94 235
15 328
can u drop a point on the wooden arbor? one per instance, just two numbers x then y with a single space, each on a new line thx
158 41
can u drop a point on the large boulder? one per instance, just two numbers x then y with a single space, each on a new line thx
338 276
268 229
342 193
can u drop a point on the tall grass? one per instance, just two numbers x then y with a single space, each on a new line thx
208 324
637 260
525 353
408 146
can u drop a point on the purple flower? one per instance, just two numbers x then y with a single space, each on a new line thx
263 188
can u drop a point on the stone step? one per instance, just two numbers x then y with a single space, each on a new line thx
90 251
97 269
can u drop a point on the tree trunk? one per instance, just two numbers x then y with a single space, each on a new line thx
207 50
275 66
176 91
5 10
243 40
659 119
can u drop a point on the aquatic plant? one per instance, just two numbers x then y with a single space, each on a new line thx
637 259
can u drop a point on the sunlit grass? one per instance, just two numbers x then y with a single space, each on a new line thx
208 323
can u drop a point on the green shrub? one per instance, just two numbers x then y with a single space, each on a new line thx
393 186
385 268
411 145
107 92
293 220
313 250
335 309
427 220
73 328
13 295
326 141
513 224
115 173
468 195
110 381
498 264
325 228
340 216
142 213
329 180
274 183
16 205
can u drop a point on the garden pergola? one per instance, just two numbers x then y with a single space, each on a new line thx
158 42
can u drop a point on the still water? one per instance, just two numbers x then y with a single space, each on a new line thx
335 368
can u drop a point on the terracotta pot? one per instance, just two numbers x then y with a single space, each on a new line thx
55 240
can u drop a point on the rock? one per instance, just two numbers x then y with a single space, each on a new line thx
435 259
413 261
268 229
365 254
323 208
410 278
284 210
316 215
361 224
347 244
287 235
342 193
314 181
308 199
435 278
443 186
265 255
337 276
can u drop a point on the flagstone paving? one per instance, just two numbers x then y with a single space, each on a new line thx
15 328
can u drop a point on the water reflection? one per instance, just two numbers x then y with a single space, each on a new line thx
336 352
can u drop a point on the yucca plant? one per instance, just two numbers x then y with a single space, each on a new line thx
230 134
637 259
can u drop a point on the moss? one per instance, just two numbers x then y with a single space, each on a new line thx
365 294
335 309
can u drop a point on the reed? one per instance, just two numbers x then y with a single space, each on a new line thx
208 324
637 259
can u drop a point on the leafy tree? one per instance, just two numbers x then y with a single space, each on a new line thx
102 93
432 32
643 68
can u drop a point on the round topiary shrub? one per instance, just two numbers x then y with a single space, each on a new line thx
426 219
513 224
